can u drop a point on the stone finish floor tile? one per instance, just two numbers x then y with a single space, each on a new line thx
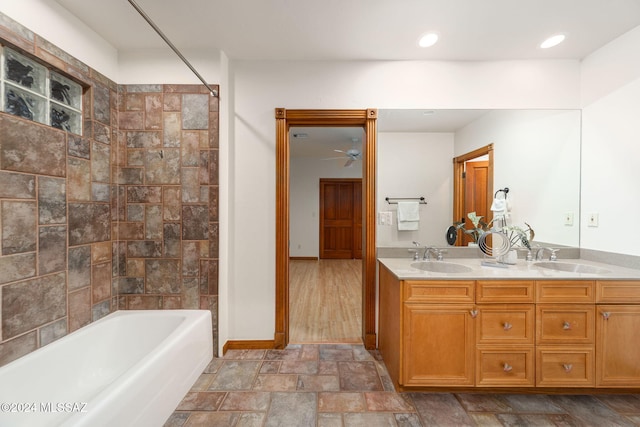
345 385
292 409
440 409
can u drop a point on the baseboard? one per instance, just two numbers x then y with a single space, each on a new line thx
303 258
248 345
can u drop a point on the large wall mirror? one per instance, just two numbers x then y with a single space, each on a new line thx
536 154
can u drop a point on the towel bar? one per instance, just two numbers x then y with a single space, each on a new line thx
420 200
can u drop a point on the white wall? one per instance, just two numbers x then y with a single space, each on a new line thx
537 156
415 165
54 23
611 172
164 66
610 148
304 200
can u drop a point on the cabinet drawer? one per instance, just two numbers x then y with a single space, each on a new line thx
505 291
620 291
505 367
567 291
506 324
444 291
565 366
565 324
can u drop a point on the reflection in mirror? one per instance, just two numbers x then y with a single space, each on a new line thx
536 155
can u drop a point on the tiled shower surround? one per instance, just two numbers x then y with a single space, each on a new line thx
123 217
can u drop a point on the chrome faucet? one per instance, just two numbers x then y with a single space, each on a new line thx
436 251
552 254
415 251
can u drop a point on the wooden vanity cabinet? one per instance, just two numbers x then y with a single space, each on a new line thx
427 331
618 334
505 332
565 333
510 333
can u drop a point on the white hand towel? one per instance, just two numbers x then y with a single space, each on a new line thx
408 216
499 205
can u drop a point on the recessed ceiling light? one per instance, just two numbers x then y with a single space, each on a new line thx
552 41
301 135
428 40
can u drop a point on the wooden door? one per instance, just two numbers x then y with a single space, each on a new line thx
341 218
475 193
617 350
438 345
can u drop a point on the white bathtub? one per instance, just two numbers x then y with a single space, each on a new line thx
130 368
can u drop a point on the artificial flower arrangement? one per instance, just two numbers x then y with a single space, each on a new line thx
517 236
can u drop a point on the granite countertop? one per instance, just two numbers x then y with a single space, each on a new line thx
402 268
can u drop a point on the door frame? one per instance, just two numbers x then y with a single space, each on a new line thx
285 119
458 183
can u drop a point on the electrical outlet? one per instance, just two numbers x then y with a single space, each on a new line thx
592 219
568 218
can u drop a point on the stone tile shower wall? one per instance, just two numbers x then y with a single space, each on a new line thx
167 215
122 217
55 211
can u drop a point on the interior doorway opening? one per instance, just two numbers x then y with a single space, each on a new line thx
285 120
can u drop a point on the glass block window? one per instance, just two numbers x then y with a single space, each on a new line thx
31 91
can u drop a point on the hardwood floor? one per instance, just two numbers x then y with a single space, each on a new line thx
325 298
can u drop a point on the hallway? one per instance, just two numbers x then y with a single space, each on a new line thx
346 385
325 298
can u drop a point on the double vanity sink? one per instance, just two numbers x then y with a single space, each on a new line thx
454 267
553 326
478 268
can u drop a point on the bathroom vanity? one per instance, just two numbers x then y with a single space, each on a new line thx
526 327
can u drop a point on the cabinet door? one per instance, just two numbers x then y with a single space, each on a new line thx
438 345
617 349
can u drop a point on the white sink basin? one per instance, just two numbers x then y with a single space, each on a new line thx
571 267
441 267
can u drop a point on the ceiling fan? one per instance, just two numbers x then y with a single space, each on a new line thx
352 154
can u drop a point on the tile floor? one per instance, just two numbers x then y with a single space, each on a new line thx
346 385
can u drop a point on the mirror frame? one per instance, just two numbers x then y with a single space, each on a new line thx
285 119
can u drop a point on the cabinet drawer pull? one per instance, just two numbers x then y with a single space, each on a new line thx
567 367
474 313
606 315
507 326
566 326
507 368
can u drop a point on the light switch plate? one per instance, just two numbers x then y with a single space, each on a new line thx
384 218
568 218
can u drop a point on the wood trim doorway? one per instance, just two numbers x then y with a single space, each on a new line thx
459 184
285 119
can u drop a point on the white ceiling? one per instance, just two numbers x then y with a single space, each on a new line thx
470 30
363 29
